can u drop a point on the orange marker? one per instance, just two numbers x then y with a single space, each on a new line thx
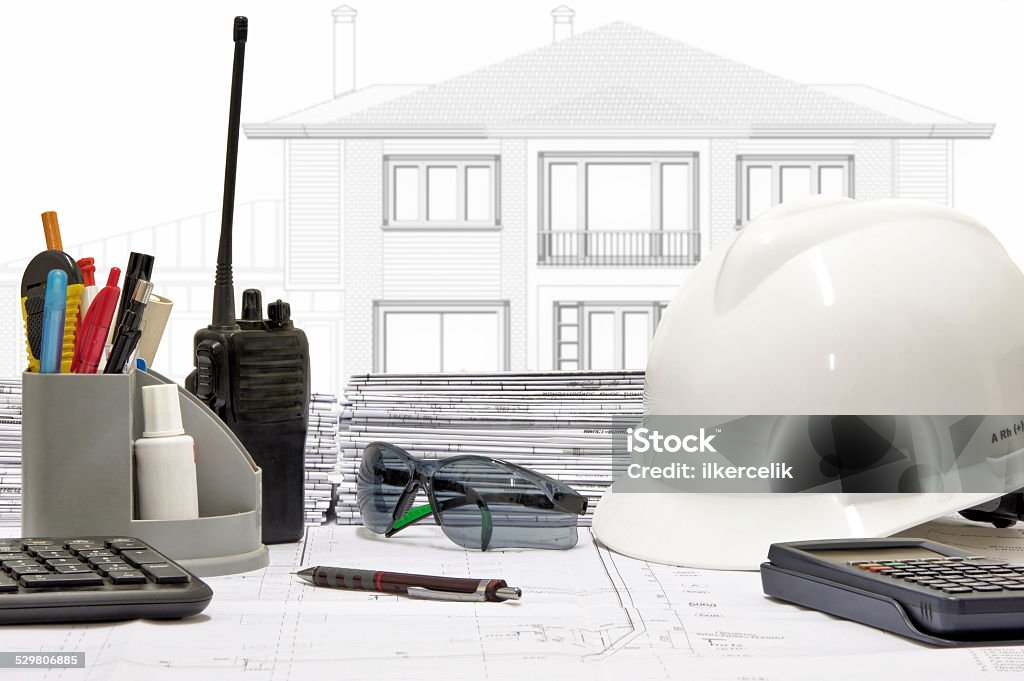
52 231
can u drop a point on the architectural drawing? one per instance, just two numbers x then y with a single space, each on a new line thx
537 213
586 613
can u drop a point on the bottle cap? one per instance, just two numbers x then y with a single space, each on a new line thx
161 411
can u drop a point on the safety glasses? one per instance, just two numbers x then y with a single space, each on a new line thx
479 502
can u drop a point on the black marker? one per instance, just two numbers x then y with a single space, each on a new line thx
128 333
140 266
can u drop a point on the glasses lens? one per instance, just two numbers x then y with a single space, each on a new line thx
383 477
481 504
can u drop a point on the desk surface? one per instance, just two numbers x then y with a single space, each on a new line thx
585 613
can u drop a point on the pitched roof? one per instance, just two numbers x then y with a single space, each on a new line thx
614 78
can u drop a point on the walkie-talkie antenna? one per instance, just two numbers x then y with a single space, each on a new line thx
224 284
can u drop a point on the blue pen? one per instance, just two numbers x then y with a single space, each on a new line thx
54 309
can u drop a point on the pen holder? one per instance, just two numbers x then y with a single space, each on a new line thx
78 472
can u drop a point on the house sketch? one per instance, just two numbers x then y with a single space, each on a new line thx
535 214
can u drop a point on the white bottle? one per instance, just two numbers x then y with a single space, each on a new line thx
165 463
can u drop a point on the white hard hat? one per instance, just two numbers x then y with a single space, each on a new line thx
825 306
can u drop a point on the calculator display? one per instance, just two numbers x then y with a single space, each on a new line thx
844 556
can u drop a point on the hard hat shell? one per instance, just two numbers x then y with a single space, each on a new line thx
826 306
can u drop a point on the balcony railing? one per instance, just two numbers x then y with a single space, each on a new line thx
626 248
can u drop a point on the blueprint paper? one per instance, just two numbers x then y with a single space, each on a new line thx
556 423
10 451
586 614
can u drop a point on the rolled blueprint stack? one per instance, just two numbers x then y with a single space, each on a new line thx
10 451
321 456
556 423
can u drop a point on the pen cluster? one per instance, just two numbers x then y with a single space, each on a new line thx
71 325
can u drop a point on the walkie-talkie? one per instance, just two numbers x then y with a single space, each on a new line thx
254 372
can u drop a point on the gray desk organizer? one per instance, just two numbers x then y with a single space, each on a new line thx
78 472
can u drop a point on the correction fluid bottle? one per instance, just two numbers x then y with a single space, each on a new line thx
165 463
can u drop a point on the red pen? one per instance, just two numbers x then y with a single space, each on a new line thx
93 334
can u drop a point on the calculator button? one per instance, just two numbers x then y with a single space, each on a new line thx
139 558
51 554
94 553
900 574
110 568
125 544
1016 586
8 565
54 562
989 587
128 577
56 581
100 561
71 569
34 569
7 584
13 555
164 573
29 543
956 589
84 545
868 566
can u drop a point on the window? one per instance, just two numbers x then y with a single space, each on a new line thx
624 209
440 336
441 191
765 181
604 336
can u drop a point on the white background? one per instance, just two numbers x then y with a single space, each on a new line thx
114 113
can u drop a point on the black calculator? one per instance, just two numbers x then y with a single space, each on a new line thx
88 579
914 587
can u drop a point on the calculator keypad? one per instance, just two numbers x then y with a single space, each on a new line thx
39 564
951 574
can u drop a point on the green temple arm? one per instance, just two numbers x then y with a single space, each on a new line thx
414 515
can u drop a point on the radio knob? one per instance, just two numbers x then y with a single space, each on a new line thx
279 311
252 305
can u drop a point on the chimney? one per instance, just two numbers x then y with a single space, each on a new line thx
344 50
562 23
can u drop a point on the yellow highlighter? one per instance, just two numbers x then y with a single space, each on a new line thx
33 292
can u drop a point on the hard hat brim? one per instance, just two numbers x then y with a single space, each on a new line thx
734 531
